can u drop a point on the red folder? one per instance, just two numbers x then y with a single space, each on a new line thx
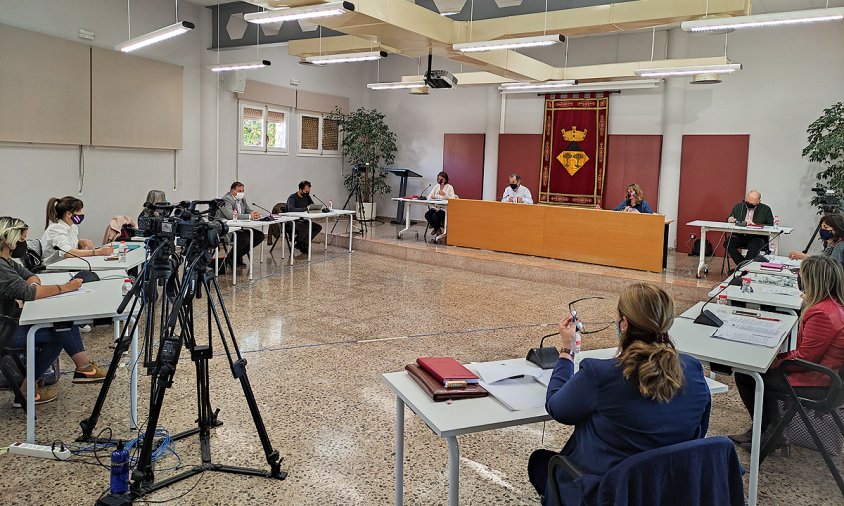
446 369
436 389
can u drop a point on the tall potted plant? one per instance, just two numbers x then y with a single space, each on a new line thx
368 145
826 146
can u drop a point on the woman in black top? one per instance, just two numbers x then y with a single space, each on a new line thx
18 284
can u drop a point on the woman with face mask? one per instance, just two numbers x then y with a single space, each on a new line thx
634 201
820 338
647 397
18 284
441 191
831 232
62 231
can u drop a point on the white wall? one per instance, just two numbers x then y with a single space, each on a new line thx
116 180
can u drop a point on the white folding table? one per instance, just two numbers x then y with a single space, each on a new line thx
95 301
697 341
336 213
251 225
439 204
134 258
721 226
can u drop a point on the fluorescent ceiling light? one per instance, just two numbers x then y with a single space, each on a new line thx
168 32
400 85
449 13
245 65
726 68
761 20
295 13
541 85
345 57
515 43
507 88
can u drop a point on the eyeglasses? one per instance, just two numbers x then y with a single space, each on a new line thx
587 327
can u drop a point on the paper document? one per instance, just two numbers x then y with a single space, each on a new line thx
781 290
751 331
81 290
517 394
492 372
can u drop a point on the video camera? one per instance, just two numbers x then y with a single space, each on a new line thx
185 222
828 200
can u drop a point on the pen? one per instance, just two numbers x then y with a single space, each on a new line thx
767 319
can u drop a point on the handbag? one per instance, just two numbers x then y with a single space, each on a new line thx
8 328
696 249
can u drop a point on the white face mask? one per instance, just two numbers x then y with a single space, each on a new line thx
239 195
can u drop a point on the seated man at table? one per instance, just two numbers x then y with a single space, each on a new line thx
235 202
517 193
297 203
754 212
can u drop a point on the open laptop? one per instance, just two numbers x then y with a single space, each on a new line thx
315 208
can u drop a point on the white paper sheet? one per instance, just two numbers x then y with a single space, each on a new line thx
492 372
751 331
519 393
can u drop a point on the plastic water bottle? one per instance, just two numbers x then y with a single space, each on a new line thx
120 470
577 342
776 222
722 304
127 285
330 205
121 252
745 285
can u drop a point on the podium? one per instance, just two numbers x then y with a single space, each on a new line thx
403 174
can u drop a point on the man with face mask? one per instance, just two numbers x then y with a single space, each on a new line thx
516 193
754 212
235 202
296 203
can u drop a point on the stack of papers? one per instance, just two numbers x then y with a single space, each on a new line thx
751 330
517 388
781 290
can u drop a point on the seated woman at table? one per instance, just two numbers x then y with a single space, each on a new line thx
831 232
634 201
441 191
647 397
18 284
820 339
62 231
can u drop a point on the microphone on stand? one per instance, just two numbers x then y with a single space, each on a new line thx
269 216
422 193
324 205
86 277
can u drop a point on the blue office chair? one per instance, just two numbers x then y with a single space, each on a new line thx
701 472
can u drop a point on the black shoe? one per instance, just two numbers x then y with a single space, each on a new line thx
241 263
747 437
221 268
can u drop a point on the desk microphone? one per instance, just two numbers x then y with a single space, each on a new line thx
263 208
544 357
422 193
86 277
324 205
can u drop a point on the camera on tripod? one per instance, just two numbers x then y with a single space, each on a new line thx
828 200
185 222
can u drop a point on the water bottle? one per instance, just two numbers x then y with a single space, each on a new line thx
577 342
119 470
722 303
330 205
121 252
776 222
127 285
234 213
745 285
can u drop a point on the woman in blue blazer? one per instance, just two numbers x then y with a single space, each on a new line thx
649 396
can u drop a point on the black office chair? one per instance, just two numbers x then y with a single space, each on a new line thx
274 230
830 403
11 366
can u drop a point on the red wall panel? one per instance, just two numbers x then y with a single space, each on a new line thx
463 159
632 159
522 154
713 177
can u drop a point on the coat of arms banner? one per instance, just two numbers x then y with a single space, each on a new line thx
574 149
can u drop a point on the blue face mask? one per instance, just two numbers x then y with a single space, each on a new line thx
618 333
826 234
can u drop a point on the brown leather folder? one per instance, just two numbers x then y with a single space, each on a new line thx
436 389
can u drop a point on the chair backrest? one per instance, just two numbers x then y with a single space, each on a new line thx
701 472
279 208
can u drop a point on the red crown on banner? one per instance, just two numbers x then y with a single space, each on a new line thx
574 135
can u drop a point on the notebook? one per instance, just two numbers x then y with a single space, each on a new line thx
447 369
437 391
315 208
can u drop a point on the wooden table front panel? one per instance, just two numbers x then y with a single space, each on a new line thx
610 238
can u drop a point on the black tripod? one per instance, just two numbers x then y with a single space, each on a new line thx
357 193
198 277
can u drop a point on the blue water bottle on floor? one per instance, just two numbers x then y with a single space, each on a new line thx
120 470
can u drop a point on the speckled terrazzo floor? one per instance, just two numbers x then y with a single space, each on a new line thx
317 338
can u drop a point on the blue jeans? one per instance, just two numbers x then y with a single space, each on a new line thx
51 342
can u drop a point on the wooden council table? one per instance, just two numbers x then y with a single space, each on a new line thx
617 239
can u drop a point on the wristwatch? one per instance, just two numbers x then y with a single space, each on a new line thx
570 352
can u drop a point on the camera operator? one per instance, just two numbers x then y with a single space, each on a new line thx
754 212
831 232
235 202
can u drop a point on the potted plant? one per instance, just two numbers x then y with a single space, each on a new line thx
826 146
368 145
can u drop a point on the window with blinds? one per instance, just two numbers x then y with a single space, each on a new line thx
318 136
263 128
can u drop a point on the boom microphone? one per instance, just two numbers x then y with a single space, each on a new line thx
422 193
86 277
324 205
263 208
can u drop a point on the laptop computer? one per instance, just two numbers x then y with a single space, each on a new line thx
315 208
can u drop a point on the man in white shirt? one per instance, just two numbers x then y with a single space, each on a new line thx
517 193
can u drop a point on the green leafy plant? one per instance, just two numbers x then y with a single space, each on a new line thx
826 146
369 143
